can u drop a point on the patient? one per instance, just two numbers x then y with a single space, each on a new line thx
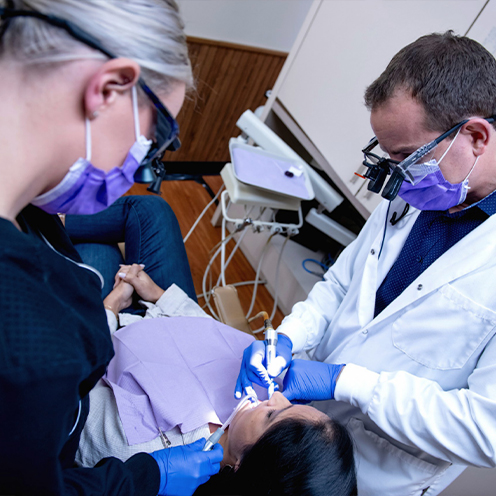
172 379
287 449
283 449
171 382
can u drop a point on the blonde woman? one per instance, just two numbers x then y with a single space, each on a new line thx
89 92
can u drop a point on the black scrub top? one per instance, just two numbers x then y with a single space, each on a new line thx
54 346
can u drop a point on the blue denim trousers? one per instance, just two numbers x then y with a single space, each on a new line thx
151 232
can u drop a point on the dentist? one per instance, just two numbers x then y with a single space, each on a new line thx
402 329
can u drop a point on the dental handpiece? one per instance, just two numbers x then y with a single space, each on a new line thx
270 349
215 437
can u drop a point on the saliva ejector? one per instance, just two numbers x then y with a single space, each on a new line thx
214 438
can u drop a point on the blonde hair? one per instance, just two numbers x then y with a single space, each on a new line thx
150 32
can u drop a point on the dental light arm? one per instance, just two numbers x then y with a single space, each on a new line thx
327 197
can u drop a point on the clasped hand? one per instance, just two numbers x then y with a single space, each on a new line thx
131 278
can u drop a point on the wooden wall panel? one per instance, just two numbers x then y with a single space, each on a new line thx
230 79
188 199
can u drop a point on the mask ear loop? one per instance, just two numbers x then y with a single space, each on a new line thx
88 140
137 130
451 144
470 172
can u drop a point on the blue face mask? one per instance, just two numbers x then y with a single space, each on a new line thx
86 189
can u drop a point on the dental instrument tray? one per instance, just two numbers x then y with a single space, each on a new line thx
257 167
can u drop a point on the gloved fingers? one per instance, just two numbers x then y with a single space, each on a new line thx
260 377
249 391
296 397
215 469
209 461
242 383
277 366
201 480
292 397
285 347
238 387
184 468
291 389
289 395
215 455
256 371
310 380
198 445
252 369
254 355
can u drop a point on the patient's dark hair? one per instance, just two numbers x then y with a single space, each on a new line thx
452 77
295 457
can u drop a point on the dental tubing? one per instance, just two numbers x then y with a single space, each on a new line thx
215 437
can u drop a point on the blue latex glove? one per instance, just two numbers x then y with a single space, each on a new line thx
253 365
307 380
184 468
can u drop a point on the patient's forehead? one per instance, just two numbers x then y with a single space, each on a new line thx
303 412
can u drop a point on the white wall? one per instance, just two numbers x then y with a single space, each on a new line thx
272 24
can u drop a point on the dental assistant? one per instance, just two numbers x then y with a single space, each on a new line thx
89 90
401 330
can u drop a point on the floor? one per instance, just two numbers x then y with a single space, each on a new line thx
188 199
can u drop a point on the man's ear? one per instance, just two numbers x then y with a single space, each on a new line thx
110 81
479 132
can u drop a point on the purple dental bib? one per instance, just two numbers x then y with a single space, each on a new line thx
175 371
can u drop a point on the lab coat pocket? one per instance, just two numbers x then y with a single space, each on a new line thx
385 469
453 325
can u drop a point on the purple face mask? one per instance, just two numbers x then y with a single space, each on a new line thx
433 191
88 190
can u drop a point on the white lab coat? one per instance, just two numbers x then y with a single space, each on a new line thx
419 390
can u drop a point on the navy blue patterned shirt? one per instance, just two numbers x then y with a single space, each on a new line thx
433 233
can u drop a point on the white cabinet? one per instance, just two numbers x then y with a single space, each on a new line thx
484 28
344 45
